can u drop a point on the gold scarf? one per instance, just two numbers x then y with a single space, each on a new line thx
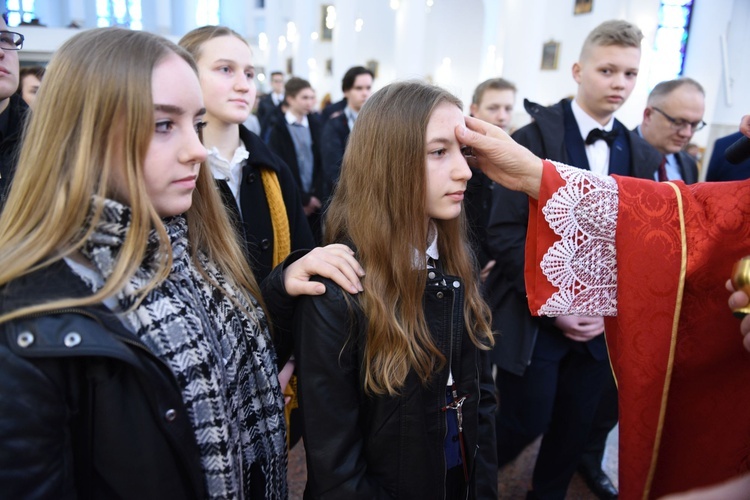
282 246
282 240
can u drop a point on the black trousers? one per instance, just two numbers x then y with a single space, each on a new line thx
557 396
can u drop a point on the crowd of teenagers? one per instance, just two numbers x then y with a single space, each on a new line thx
430 292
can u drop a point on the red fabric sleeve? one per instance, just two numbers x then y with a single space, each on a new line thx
691 410
683 376
539 239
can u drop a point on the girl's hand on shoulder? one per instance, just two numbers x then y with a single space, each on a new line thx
335 262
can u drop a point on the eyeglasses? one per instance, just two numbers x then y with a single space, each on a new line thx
10 40
679 124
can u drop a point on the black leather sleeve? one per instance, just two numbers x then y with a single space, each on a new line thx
280 308
36 460
330 393
486 465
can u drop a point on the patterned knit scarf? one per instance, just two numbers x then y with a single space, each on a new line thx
223 359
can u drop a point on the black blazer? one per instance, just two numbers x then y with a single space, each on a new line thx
10 142
332 148
506 236
280 142
267 110
688 167
254 226
719 169
687 164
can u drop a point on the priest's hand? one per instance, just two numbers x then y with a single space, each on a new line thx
580 328
335 262
740 299
501 158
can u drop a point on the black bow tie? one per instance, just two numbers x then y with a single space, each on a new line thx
597 133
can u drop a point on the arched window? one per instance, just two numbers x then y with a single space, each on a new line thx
19 11
671 40
207 12
125 13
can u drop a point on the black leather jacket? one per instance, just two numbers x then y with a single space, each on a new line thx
86 410
368 447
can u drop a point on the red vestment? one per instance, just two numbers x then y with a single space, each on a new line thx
676 351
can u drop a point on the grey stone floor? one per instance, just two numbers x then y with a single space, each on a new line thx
513 480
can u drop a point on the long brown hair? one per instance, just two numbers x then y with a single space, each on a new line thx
379 205
95 113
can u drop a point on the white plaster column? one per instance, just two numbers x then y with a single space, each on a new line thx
275 27
493 40
411 21
305 15
344 43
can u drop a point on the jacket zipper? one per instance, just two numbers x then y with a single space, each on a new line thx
450 375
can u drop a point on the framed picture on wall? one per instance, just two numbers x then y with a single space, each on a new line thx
327 13
583 6
550 52
372 65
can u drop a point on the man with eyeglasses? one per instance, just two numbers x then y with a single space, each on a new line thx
674 112
12 107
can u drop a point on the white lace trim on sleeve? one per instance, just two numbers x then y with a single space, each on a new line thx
583 264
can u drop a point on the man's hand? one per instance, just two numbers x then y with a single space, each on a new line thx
580 328
486 270
312 206
736 300
501 158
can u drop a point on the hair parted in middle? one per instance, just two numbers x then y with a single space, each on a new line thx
96 114
194 39
380 207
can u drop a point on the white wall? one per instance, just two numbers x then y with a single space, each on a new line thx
481 38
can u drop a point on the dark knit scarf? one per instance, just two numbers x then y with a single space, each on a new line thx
222 358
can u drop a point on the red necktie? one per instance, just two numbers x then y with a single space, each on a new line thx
663 169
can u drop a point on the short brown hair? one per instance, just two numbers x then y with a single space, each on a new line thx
37 71
491 84
614 32
295 85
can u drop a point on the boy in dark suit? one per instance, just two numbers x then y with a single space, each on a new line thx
296 139
552 372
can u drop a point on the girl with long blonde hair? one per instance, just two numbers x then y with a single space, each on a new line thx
136 356
395 387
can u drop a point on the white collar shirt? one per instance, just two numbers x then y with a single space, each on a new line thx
598 152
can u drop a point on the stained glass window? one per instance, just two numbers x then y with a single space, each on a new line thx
670 43
125 13
19 11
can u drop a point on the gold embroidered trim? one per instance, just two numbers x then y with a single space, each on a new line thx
673 343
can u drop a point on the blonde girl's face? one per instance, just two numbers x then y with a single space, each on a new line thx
227 78
173 159
447 170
